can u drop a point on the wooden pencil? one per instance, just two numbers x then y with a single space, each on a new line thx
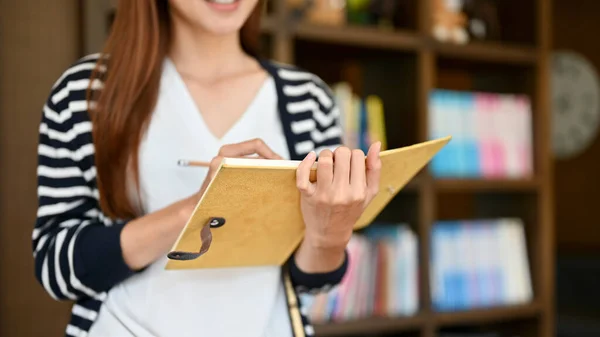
184 162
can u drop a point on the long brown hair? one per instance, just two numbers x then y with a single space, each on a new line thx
133 55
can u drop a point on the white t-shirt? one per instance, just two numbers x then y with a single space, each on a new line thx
246 302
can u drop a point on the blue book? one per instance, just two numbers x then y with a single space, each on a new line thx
441 164
470 144
363 127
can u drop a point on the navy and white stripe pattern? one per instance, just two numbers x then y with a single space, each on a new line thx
308 110
76 248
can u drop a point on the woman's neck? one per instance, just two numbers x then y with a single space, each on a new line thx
206 56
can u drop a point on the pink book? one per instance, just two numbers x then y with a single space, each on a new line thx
352 283
508 134
489 149
344 287
497 137
524 135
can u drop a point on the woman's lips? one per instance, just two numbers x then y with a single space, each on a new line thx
223 5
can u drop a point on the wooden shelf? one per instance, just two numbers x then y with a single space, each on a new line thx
370 325
487 52
372 37
483 316
359 36
382 325
484 185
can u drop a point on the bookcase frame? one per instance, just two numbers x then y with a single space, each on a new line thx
539 314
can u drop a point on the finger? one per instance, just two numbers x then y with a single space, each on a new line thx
245 148
325 170
212 171
373 169
303 182
341 167
263 150
249 147
357 169
214 166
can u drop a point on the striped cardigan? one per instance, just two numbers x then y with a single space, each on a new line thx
77 248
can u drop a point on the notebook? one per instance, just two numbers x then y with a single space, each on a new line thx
250 214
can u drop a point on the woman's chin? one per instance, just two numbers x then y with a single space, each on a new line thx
219 23
223 28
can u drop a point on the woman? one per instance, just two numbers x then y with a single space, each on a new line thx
181 79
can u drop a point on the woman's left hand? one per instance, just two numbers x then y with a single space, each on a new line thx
346 183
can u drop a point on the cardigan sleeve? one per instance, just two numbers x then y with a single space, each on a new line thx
76 249
317 282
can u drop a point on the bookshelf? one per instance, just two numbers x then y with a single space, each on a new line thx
416 64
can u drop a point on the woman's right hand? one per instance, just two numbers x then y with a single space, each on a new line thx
149 237
254 147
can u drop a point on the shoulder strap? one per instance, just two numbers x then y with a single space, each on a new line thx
293 303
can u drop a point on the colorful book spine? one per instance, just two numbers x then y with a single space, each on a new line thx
447 160
362 119
471 150
479 264
376 121
381 280
492 134
484 105
524 133
348 120
363 126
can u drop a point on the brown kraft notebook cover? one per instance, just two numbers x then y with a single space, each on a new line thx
250 213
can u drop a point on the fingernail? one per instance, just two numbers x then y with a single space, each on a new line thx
311 154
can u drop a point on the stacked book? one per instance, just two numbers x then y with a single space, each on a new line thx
479 264
492 134
382 278
362 119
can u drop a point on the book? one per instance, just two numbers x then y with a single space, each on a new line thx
475 264
250 213
479 264
492 134
381 281
363 119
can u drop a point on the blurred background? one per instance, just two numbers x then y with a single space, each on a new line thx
496 237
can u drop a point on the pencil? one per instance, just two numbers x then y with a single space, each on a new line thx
184 162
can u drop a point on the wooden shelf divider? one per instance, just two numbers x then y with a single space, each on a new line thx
371 325
372 37
382 325
360 36
486 52
487 185
486 316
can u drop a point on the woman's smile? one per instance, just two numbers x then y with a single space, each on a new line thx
223 5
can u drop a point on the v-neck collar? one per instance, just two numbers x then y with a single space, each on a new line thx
191 108
284 115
